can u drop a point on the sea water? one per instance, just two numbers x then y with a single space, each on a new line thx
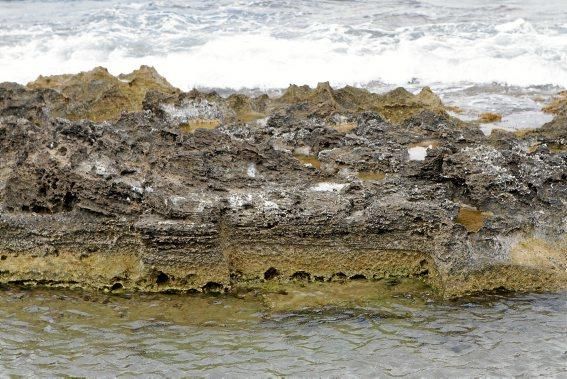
507 56
68 333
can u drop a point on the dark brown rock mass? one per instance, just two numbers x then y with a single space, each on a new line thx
130 183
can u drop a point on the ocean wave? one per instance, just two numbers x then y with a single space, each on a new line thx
240 46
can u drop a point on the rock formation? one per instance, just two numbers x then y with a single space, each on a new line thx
127 182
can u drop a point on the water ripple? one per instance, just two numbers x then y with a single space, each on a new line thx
46 334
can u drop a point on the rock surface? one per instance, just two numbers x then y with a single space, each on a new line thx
127 182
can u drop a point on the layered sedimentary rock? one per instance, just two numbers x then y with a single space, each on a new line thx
130 183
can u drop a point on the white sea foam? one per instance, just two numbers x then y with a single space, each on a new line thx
260 60
240 44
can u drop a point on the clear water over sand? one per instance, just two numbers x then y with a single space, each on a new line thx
60 333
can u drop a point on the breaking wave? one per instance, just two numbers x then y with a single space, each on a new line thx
259 46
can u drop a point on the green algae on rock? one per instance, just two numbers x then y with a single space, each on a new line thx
128 183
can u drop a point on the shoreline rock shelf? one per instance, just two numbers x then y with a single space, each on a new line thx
128 183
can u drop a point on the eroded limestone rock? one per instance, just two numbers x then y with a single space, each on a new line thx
98 96
193 191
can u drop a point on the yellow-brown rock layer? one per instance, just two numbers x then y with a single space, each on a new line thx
395 106
557 105
99 96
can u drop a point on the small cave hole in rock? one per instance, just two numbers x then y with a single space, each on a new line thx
424 272
40 209
3 258
358 277
127 171
162 278
212 287
116 286
319 278
424 268
271 273
301 275
69 201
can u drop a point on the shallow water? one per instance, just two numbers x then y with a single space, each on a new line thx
69 333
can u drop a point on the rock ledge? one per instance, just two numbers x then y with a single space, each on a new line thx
128 183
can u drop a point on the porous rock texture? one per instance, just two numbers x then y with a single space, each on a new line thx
127 182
